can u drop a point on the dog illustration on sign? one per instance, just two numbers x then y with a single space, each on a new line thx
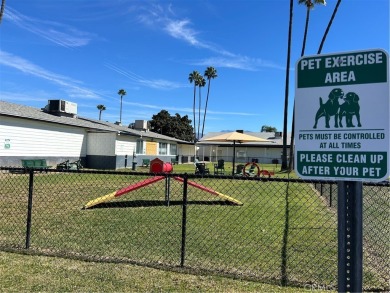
349 109
332 107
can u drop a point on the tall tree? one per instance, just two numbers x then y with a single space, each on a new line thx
101 108
328 27
122 93
284 150
309 6
2 9
193 78
210 74
201 83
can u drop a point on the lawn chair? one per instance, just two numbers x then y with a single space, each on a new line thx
201 169
253 171
239 170
146 162
219 168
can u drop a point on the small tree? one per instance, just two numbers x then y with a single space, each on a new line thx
266 128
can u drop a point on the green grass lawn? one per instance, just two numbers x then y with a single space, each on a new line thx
259 240
26 273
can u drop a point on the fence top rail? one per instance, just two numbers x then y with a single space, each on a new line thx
211 176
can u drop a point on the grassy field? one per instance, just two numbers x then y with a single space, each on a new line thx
276 236
24 273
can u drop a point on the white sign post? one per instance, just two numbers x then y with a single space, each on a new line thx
342 121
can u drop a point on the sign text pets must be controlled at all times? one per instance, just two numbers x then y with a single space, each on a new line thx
342 120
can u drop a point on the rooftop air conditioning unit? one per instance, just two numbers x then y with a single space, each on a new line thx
62 106
142 125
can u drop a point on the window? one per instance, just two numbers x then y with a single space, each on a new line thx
173 150
140 147
162 148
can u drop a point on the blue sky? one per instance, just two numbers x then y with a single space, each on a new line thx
84 51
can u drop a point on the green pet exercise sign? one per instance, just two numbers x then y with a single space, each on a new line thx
342 120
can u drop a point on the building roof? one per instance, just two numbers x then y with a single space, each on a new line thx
274 139
26 112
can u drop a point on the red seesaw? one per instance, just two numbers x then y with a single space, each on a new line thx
157 166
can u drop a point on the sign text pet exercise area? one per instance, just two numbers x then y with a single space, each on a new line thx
342 119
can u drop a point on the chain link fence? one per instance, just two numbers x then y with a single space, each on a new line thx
281 231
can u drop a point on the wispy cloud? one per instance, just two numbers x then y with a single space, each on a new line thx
22 97
70 85
156 83
60 34
183 29
186 110
164 18
238 62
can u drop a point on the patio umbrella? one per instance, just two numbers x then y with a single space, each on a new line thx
235 137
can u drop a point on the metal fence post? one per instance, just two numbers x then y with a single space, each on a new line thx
330 194
29 207
184 222
167 189
350 236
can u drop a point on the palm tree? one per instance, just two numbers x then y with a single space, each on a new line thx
193 77
328 27
101 108
122 93
210 73
2 9
309 5
284 151
201 83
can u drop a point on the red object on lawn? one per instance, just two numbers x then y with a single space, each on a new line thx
158 166
123 191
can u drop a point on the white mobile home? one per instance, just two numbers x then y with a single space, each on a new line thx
58 135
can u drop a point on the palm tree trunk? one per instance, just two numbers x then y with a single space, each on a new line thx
305 34
120 114
284 152
291 161
193 110
2 9
205 107
199 106
328 27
